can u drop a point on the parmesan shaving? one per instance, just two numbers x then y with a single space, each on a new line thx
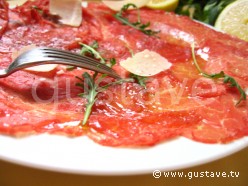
42 68
70 11
15 54
146 63
14 3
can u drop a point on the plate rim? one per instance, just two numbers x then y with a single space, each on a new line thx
236 146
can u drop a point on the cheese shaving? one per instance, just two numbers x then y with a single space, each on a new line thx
70 11
42 68
146 63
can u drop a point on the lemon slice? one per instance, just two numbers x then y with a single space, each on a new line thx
234 19
117 5
168 5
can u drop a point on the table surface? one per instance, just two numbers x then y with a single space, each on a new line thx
17 175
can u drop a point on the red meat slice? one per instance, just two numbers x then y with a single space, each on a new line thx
3 16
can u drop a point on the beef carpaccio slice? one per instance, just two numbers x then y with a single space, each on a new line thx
176 102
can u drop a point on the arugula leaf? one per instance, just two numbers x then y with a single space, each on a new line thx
86 50
112 62
205 11
136 25
92 50
221 75
92 88
90 94
141 80
91 83
38 9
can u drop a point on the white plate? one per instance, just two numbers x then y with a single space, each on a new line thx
81 155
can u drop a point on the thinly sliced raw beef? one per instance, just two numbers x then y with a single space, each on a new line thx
176 102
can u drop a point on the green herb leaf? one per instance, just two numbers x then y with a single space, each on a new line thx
70 68
137 25
141 80
112 62
117 82
88 82
89 50
205 11
226 78
234 83
90 94
38 9
92 50
91 83
92 89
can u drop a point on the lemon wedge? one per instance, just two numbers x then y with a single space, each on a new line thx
168 5
234 19
117 5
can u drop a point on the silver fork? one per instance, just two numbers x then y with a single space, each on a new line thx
43 55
